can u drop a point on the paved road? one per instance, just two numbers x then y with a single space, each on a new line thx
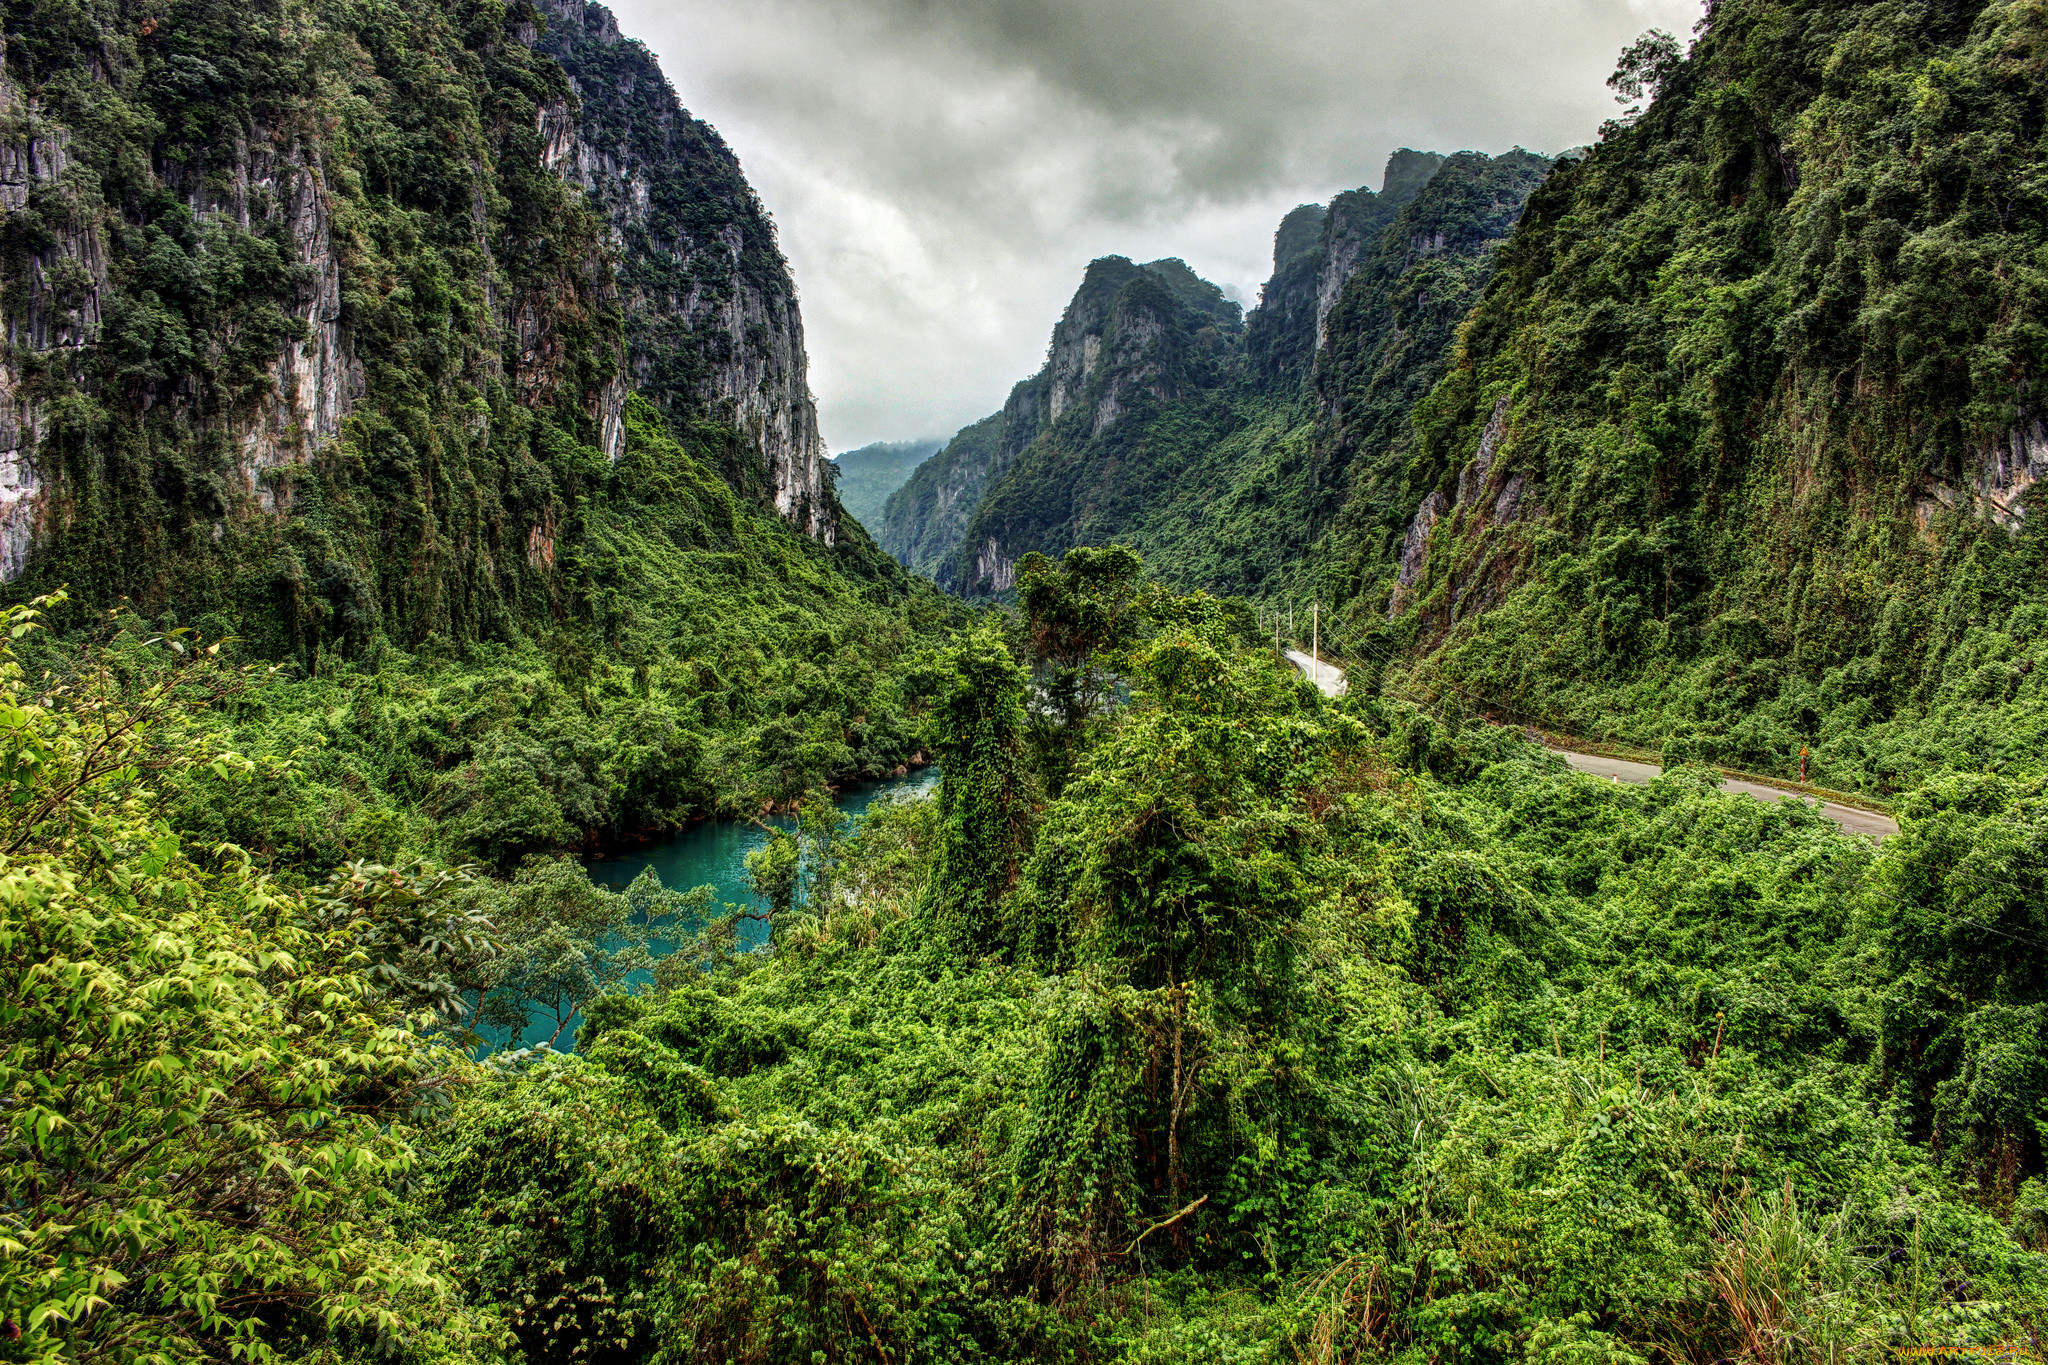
1848 817
1330 678
1325 674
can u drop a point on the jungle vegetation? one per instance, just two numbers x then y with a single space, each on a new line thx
1197 1016
1764 366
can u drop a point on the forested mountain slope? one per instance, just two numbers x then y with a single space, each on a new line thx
1196 1017
1220 452
438 352
324 318
867 476
1737 447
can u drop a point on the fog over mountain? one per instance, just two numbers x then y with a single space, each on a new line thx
940 174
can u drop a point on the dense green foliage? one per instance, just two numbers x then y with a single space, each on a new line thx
202 254
1197 1017
729 663
1766 366
1300 1031
207 1092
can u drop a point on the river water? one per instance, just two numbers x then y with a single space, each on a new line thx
714 853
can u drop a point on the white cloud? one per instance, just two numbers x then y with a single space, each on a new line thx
942 170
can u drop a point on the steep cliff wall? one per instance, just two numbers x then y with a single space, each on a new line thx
1226 455
1136 342
1279 335
324 317
1387 338
1352 228
1315 252
712 327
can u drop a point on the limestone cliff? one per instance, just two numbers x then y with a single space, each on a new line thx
329 316
1386 340
1315 251
1134 341
711 320
1226 453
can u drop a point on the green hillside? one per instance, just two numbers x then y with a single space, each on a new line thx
1761 371
410 486
1223 453
867 476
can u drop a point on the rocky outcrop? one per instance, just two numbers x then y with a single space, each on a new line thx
1355 221
340 344
993 570
1119 338
1279 335
1134 341
1316 250
316 379
30 164
2001 472
1480 500
713 331
1415 548
1387 340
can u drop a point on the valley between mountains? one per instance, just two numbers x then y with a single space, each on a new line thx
414 510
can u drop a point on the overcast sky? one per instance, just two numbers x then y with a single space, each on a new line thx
941 171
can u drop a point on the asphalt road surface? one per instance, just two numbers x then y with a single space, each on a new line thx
1330 678
1848 817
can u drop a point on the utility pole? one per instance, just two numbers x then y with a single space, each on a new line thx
1315 637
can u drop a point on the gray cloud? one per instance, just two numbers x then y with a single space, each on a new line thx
942 170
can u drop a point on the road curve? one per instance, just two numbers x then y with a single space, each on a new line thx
1323 673
1330 678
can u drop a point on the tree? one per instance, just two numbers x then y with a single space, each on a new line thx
984 797
1646 67
1081 614
205 1092
1178 866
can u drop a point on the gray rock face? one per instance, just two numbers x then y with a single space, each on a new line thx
1472 478
994 569
712 328
1473 483
62 312
314 379
1133 340
1355 220
1416 547
2002 470
1315 252
1128 340
712 325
